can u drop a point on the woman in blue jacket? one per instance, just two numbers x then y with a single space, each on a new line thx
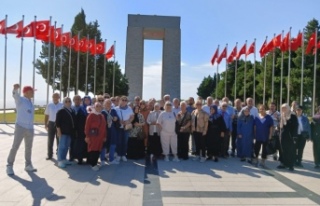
263 126
245 135
304 133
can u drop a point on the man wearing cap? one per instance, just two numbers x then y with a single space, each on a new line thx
49 121
23 127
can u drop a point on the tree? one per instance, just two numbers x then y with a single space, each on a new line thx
207 86
92 30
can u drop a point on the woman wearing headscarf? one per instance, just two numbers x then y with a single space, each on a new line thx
315 127
263 127
154 147
216 129
112 119
245 135
288 133
199 128
166 121
184 122
80 145
65 124
136 149
95 130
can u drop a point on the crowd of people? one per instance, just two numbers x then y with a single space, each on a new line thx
111 129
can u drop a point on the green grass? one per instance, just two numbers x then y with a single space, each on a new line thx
11 118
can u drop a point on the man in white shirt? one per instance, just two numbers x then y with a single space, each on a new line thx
206 107
49 122
253 110
176 106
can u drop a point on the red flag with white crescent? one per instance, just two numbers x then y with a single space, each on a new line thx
64 39
243 50
27 31
232 55
2 26
15 29
110 52
251 49
215 56
99 49
42 30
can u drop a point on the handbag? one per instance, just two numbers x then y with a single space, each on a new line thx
177 125
140 135
94 132
272 146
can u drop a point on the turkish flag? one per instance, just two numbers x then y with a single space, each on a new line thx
232 55
269 47
64 39
242 51
251 49
27 31
296 42
98 48
2 26
83 44
262 53
73 43
285 43
311 43
42 30
215 56
315 49
276 41
222 55
56 35
110 52
91 46
15 29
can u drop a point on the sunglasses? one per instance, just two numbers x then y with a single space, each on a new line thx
101 100
124 100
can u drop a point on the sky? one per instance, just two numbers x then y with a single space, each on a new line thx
205 24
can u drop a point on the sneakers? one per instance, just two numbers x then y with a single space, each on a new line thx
95 168
102 163
10 170
118 158
124 158
195 158
30 168
166 158
114 162
203 159
176 159
67 162
61 164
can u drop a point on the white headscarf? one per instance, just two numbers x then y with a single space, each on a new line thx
285 116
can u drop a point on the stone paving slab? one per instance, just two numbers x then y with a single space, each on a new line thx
145 182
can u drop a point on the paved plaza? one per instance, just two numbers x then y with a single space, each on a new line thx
228 182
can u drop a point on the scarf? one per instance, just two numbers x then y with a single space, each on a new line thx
216 115
285 116
84 106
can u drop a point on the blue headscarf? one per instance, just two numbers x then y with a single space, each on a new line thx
216 115
84 106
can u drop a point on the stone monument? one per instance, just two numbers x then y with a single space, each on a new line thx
165 28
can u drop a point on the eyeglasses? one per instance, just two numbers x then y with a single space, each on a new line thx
124 100
199 104
101 100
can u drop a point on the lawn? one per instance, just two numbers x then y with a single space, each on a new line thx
11 118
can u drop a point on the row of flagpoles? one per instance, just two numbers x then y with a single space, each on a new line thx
43 30
285 44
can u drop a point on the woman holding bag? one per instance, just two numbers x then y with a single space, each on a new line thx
95 130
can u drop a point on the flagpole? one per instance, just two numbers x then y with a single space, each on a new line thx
302 68
217 76
69 67
273 65
34 57
61 51
226 76
78 65
104 68
87 67
114 67
254 70
235 75
264 77
314 73
5 71
21 52
54 57
95 67
245 76
289 67
281 77
49 57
